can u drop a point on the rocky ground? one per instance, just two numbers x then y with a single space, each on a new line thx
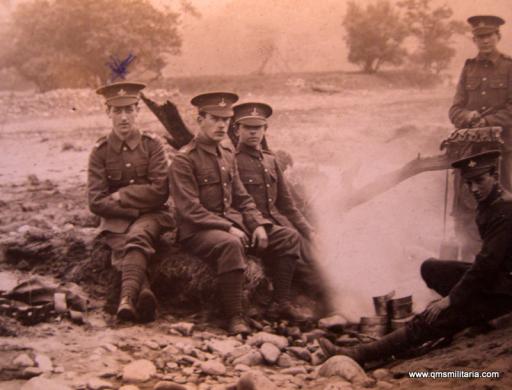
46 230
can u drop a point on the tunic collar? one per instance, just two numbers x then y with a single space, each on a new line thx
494 57
208 145
256 153
132 141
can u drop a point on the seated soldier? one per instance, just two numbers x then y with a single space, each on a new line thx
264 180
128 188
471 292
219 221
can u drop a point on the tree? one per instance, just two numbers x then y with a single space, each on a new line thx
374 35
433 30
68 43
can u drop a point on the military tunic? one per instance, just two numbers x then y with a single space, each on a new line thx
137 169
266 183
478 291
485 86
210 198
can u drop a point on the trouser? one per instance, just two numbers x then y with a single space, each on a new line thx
226 252
132 250
228 255
442 276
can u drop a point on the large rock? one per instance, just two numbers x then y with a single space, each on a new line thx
139 371
255 380
345 368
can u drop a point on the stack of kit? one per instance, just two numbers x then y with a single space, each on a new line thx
391 314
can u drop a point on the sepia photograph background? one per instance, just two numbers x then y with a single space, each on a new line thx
343 127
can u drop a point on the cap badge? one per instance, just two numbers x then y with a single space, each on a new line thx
222 103
121 92
254 112
472 164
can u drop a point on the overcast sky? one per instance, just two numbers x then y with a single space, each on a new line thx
307 34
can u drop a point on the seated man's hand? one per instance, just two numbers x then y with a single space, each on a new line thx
240 234
435 308
259 238
472 117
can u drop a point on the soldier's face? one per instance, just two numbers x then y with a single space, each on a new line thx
486 43
481 186
251 135
123 119
213 127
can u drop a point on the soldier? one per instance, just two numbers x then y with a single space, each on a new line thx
472 293
128 188
265 182
483 98
219 221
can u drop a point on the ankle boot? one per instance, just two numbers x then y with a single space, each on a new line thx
126 310
146 304
230 286
387 346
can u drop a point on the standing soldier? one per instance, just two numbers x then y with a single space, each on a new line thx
483 98
472 293
265 182
219 221
128 189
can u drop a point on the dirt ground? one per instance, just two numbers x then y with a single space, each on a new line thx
333 131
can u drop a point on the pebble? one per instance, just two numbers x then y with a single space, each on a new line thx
254 380
223 347
152 345
171 365
129 387
381 374
167 385
251 358
213 367
345 368
23 360
270 352
294 370
334 323
44 363
384 385
242 367
139 371
185 328
285 361
240 351
301 353
41 382
58 370
260 338
98 384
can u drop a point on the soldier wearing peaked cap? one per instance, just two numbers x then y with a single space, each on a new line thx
471 293
264 180
217 219
484 93
128 188
483 98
